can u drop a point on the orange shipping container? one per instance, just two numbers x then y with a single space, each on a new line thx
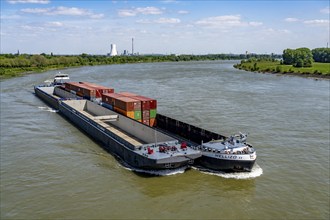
152 122
129 114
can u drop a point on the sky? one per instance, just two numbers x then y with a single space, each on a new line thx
163 27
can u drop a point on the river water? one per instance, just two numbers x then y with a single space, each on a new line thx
50 169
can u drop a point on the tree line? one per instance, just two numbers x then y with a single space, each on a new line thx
50 60
304 57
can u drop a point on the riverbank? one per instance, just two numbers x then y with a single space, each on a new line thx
18 65
318 70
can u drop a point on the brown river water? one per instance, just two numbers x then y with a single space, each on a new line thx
51 170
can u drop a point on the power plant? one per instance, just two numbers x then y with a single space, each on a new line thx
113 51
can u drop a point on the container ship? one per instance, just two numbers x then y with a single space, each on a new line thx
128 125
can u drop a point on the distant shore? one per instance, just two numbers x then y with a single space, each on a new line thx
318 70
15 65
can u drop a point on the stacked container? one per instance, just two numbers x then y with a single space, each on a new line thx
149 110
140 108
81 90
122 104
109 100
128 107
87 90
99 89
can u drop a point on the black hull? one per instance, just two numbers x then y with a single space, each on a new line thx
225 165
114 145
48 99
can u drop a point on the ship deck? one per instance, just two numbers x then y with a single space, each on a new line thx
119 132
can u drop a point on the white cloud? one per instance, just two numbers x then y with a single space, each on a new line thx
159 21
317 22
183 12
225 21
54 24
28 1
167 21
35 10
231 20
291 19
137 11
63 11
255 23
325 10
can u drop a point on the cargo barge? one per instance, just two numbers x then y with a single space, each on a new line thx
217 152
138 145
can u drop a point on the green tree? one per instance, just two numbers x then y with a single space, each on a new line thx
321 55
301 57
288 57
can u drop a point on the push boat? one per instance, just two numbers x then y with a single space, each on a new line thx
232 153
219 153
169 144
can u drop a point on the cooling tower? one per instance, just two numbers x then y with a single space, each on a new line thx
113 51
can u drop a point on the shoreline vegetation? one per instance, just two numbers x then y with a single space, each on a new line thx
298 62
15 65
318 70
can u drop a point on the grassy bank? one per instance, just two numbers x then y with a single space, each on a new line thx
319 70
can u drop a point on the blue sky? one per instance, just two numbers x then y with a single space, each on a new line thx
165 26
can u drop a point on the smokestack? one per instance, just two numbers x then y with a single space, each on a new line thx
113 50
132 46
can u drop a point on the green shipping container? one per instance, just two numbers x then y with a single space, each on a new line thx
153 113
137 115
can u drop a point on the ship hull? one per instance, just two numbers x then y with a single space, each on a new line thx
227 162
112 143
44 94
116 146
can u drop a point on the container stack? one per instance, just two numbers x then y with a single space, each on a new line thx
109 100
126 102
87 90
149 110
128 107
140 108
99 89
